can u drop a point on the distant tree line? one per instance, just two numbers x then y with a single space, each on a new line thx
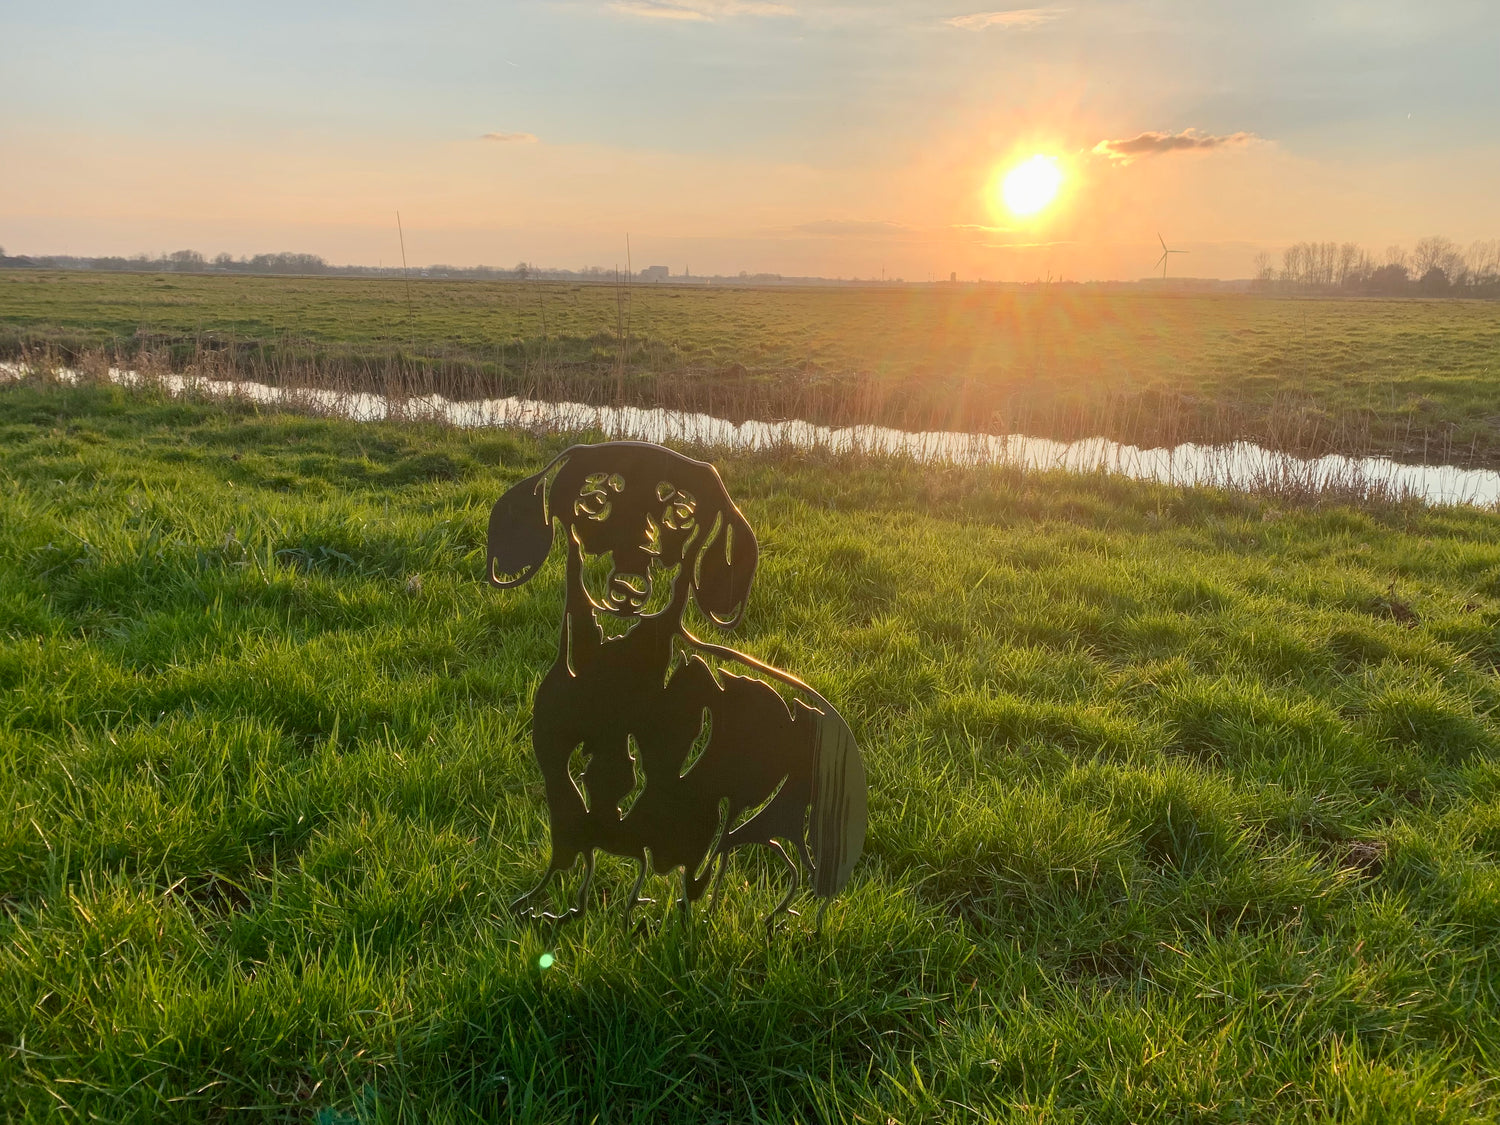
311 264
191 261
1435 267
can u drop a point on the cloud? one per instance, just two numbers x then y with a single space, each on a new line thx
852 228
982 229
697 11
1017 19
1154 144
511 138
651 11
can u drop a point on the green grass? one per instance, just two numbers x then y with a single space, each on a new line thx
1184 806
1419 379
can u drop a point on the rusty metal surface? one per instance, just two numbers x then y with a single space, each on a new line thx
648 749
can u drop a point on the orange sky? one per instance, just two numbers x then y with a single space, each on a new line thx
724 135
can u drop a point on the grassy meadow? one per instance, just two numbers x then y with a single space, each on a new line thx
1184 805
1415 379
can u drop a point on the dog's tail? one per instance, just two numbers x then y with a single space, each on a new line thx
836 829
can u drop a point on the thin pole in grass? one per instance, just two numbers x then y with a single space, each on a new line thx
541 304
620 337
629 280
411 318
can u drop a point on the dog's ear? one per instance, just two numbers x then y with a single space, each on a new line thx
520 533
726 567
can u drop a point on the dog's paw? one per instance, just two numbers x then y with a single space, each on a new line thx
530 909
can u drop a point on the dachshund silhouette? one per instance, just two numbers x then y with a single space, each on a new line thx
645 750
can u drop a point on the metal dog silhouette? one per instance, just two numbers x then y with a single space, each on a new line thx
647 751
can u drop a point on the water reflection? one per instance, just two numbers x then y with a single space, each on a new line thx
1242 465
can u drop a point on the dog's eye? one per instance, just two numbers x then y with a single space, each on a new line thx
594 505
679 513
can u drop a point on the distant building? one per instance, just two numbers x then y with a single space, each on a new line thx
656 273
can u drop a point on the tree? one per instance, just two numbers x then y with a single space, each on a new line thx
1484 261
1390 279
1435 282
1292 262
288 263
1326 255
1438 253
1349 266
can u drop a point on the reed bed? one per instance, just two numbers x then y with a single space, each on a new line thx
623 374
422 395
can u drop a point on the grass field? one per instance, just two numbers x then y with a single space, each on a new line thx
1185 806
1418 379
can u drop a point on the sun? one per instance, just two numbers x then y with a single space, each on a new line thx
1031 185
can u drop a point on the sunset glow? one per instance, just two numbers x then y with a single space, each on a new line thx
1031 186
821 139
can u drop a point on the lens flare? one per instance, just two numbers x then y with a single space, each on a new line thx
1030 186
545 961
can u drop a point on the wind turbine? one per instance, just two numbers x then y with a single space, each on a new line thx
1162 261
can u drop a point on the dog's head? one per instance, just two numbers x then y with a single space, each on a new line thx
650 510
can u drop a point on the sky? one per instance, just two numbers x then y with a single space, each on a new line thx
798 137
